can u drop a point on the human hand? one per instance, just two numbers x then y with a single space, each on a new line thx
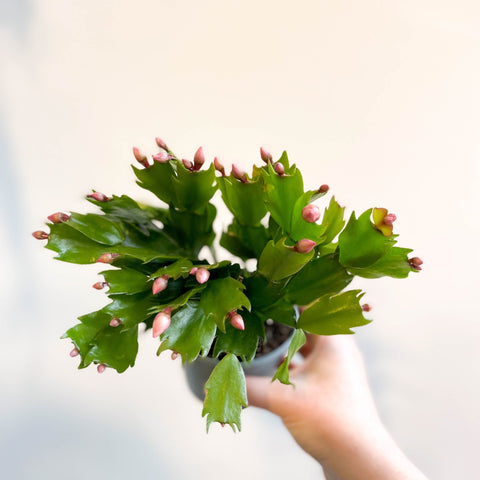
331 413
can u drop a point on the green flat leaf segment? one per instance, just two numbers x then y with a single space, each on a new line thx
280 261
242 343
320 276
282 374
244 241
226 393
333 315
115 347
244 200
393 264
180 268
361 244
332 221
125 281
222 296
190 333
97 227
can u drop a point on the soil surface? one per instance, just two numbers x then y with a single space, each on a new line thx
275 335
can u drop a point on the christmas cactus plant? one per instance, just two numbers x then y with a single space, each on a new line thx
196 308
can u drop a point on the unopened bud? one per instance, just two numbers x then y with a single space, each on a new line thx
304 245
222 424
58 217
218 166
161 322
101 368
161 143
323 188
174 355
389 219
187 164
115 322
236 321
310 213
75 352
140 157
98 196
239 174
202 275
99 285
266 156
198 159
40 235
162 157
160 284
415 263
366 307
279 168
107 257
193 271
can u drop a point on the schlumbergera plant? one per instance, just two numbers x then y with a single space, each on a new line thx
221 309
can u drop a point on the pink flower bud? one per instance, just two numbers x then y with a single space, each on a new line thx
415 263
107 257
40 235
75 352
236 321
310 213
366 307
140 157
266 156
198 159
202 275
187 164
58 217
193 271
239 174
218 166
389 219
161 322
98 196
174 355
304 245
279 168
160 284
323 188
115 322
99 285
101 368
162 157
161 143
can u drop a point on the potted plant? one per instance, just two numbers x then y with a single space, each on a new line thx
221 309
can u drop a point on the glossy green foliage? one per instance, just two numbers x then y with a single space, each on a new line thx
242 343
333 314
226 393
148 242
279 261
297 342
244 200
361 244
320 276
393 264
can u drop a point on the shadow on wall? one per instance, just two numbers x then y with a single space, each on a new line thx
45 442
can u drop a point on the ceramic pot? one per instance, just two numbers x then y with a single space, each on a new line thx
197 372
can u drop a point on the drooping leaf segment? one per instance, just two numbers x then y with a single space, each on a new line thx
196 308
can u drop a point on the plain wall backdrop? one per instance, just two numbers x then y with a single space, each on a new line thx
379 99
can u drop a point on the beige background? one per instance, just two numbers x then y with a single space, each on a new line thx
379 99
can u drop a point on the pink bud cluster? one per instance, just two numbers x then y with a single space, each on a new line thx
310 213
236 320
160 284
162 157
58 217
304 245
161 322
415 263
107 257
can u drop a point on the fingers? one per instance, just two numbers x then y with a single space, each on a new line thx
257 391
